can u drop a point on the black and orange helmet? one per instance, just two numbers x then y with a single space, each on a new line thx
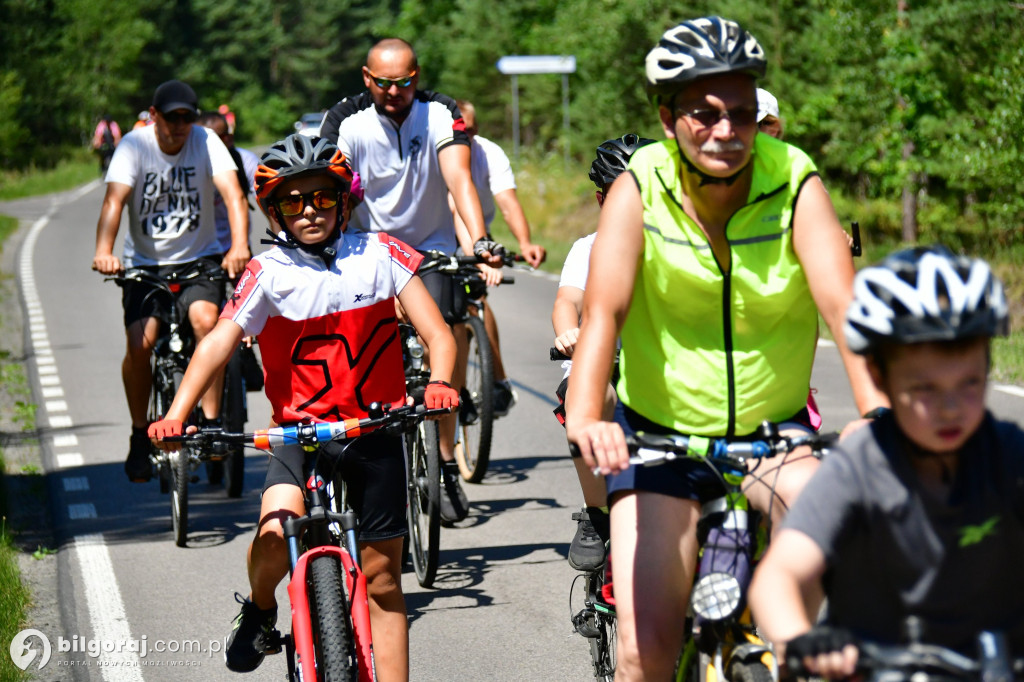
296 156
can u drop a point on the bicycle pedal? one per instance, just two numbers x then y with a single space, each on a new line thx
585 623
275 643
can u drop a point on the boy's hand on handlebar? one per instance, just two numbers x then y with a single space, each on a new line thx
107 264
489 251
601 444
824 651
440 394
162 429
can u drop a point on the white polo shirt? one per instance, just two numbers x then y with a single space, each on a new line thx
405 193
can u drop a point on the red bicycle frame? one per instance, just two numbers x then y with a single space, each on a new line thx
302 627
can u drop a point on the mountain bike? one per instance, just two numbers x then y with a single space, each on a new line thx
722 642
423 466
476 412
330 637
918 661
171 354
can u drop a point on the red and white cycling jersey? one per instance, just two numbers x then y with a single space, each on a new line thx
328 338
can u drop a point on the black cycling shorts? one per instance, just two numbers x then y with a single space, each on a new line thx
139 300
684 478
373 468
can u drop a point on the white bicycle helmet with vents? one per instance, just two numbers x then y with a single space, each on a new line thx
924 294
698 48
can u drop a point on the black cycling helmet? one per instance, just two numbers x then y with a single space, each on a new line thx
296 156
694 49
613 157
924 294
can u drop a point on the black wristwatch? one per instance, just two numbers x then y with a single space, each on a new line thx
876 413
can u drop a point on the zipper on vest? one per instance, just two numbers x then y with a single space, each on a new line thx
730 372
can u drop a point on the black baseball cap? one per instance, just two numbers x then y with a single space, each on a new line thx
174 95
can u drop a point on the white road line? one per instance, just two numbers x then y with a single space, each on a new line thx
56 406
1012 390
84 510
73 484
70 459
106 609
109 622
53 392
60 421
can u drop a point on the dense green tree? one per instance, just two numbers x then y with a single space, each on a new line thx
894 99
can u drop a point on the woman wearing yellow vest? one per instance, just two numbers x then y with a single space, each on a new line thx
714 254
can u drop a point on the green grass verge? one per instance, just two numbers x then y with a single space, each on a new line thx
559 203
79 167
14 597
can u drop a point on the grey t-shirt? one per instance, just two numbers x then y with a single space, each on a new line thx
893 551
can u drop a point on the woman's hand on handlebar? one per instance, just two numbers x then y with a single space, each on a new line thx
107 264
566 341
601 444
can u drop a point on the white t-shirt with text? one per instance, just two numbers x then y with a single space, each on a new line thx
171 206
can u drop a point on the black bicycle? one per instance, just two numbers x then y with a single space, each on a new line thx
722 642
423 464
476 411
330 638
171 354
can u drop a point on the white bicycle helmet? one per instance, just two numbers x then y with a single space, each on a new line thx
698 48
924 294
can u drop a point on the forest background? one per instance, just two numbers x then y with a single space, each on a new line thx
912 109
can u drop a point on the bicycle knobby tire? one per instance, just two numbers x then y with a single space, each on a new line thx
424 511
335 653
473 452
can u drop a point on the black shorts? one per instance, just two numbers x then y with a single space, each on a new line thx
373 468
684 478
139 300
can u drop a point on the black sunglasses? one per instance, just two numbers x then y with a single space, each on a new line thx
739 117
320 199
176 117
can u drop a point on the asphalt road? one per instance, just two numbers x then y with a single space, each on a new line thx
500 610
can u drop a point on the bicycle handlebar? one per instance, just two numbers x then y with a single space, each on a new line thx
386 417
917 660
165 281
650 450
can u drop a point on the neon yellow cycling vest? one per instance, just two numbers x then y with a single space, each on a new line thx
710 352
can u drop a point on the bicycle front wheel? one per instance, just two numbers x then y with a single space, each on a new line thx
335 654
424 510
473 451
